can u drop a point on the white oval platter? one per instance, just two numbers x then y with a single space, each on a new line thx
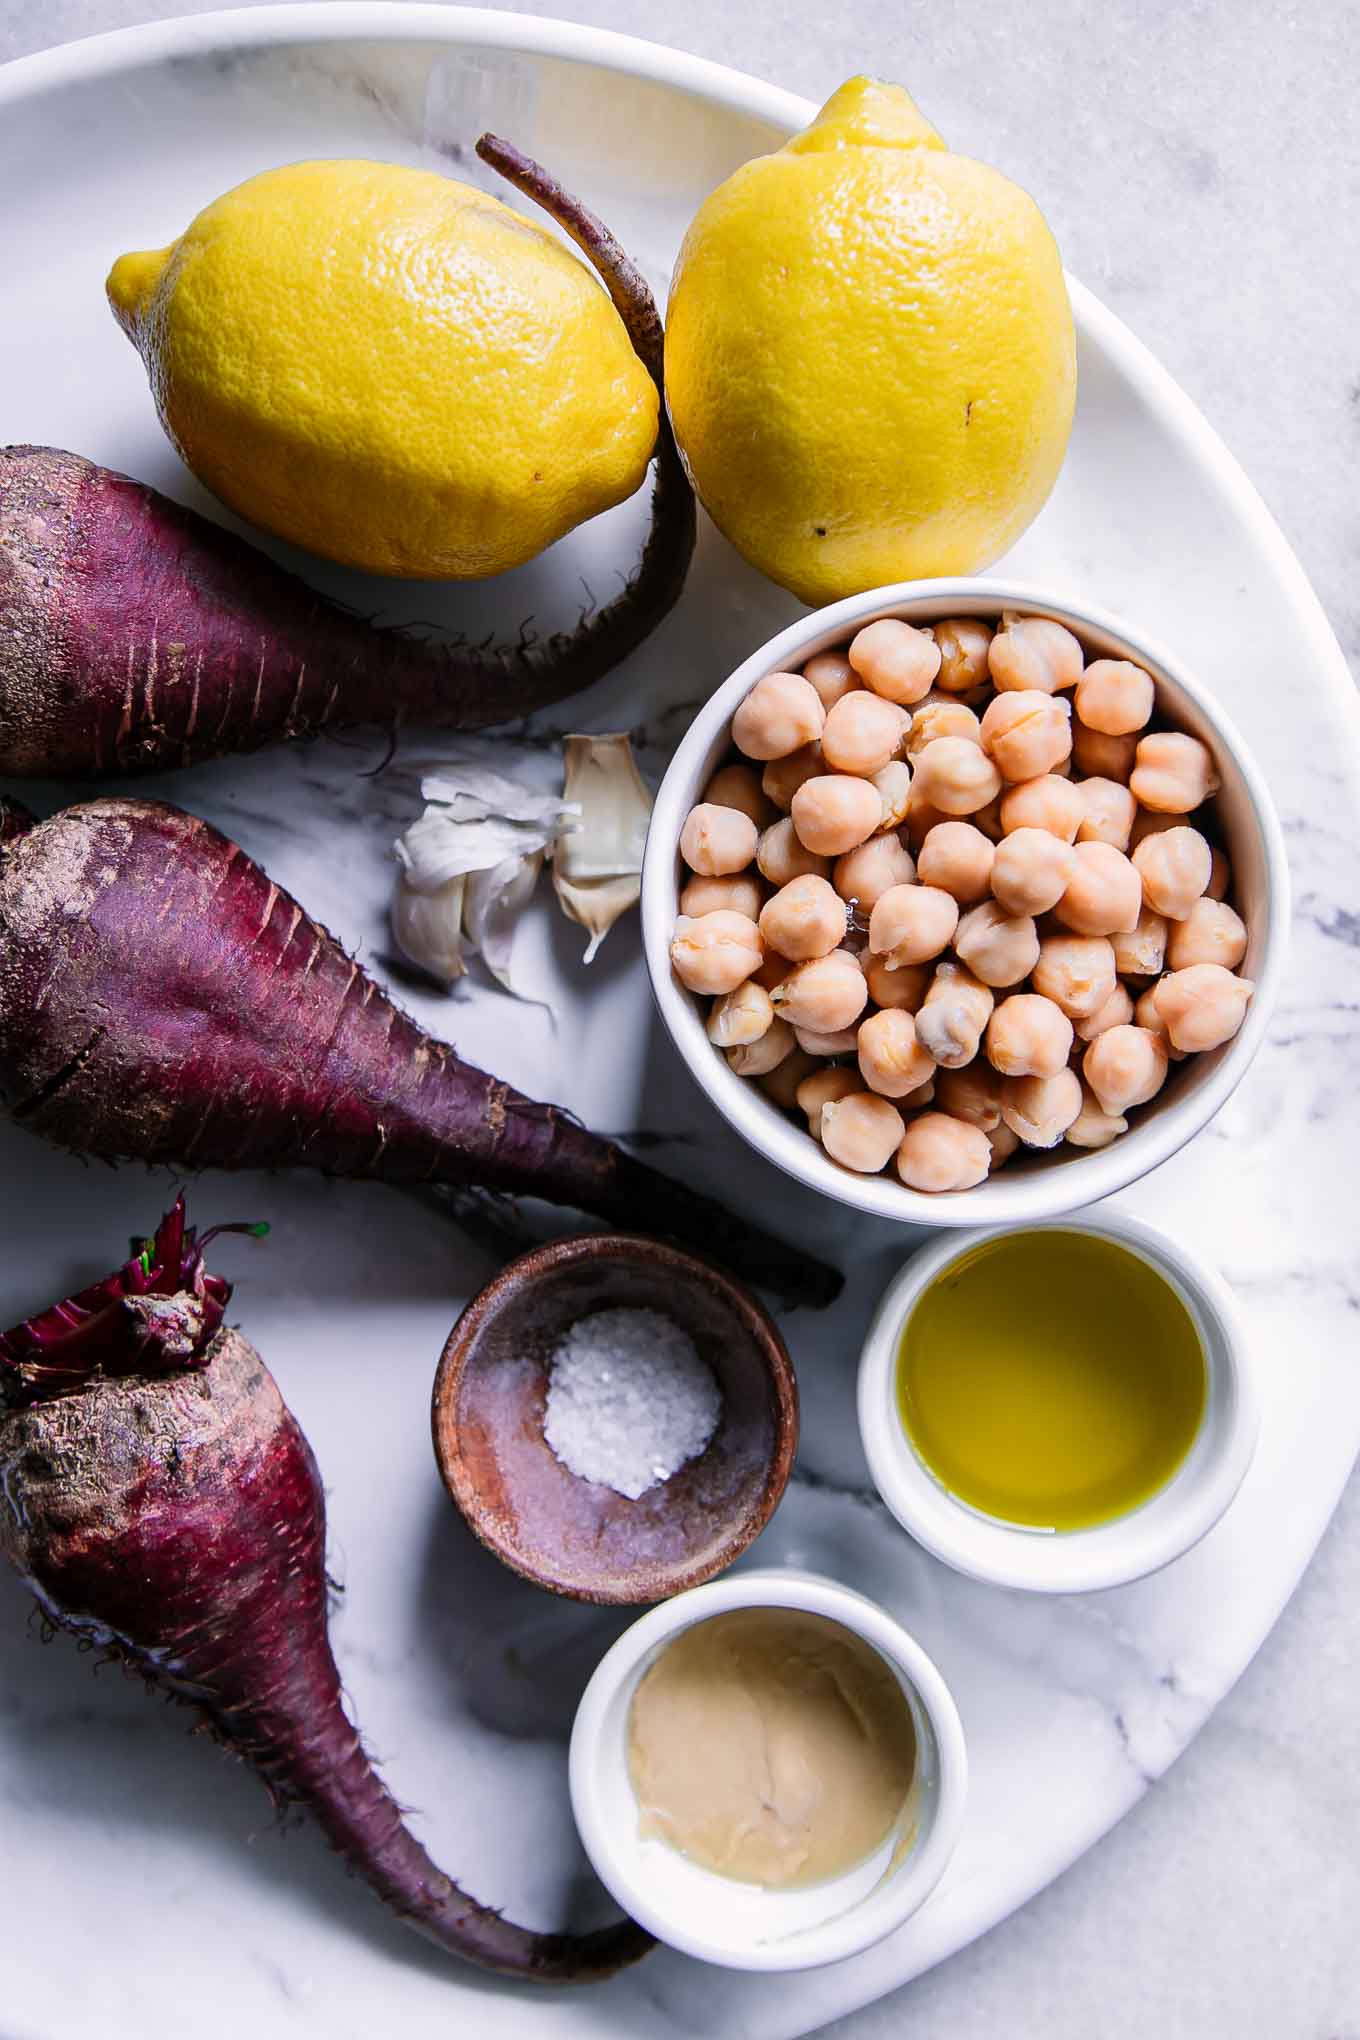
142 1879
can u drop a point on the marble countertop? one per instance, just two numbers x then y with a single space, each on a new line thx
1193 162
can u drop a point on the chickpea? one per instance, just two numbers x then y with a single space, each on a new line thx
1030 872
780 1085
772 972
999 948
1210 933
782 777
1093 1126
780 856
1220 875
1027 733
714 953
824 1087
1146 823
905 986
939 1154
1039 1110
956 776
963 643
834 814
831 674
862 876
824 1046
1109 812
895 660
972 1093
1032 654
1118 1011
757 1058
893 786
740 1017
1115 697
781 713
806 918
1102 757
923 1095
1145 1014
1047 802
922 817
1125 1066
1203 1005
861 1131
988 819
912 923
953 1014
941 716
824 995
1174 866
742 895
1104 894
1028 1036
1174 773
863 733
1003 1144
1077 972
957 858
1140 951
891 1059
737 786
717 841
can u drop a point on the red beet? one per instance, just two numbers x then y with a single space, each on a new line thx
135 634
162 1000
175 1516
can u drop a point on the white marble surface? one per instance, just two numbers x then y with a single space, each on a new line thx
1225 1904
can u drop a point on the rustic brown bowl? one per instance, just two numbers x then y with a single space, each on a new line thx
578 1537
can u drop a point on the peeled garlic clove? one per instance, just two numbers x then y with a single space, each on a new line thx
427 927
597 865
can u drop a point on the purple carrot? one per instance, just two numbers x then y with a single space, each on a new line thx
136 635
175 1517
162 1000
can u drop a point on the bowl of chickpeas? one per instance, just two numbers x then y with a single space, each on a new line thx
963 903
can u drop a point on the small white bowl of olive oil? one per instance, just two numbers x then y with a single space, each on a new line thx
1059 1407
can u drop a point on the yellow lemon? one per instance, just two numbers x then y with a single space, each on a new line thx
870 361
390 368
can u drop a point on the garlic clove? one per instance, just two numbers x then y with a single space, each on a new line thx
597 864
427 927
492 905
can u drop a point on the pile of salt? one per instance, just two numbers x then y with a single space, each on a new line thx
629 1400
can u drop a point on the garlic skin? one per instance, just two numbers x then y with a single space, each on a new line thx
469 865
492 905
597 862
427 927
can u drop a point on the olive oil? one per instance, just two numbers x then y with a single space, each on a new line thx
1052 1379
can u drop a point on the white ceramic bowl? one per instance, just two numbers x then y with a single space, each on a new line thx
1068 1561
738 1925
1029 1187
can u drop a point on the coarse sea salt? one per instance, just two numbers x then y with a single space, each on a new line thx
629 1400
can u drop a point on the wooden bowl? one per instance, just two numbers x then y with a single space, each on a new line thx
575 1536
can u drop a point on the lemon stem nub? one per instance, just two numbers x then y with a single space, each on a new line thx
867 113
132 282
